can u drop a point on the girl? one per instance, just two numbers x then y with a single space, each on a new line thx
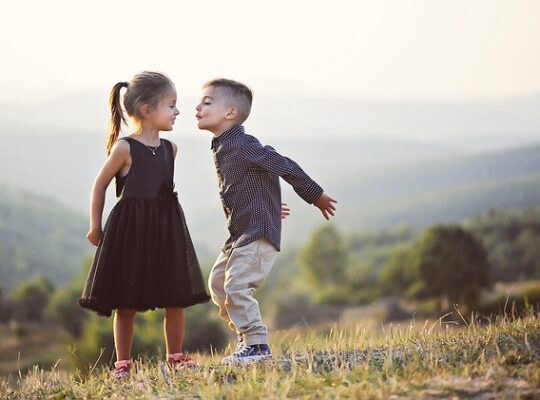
145 258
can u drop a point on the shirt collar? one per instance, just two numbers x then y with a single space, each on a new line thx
227 136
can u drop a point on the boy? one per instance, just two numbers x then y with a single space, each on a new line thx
248 176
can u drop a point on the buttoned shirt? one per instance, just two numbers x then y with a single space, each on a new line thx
248 176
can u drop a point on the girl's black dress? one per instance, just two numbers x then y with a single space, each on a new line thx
145 259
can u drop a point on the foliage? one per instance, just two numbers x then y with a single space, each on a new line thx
38 236
96 344
385 263
400 272
63 306
31 297
64 309
324 258
5 307
204 330
514 302
446 261
453 263
511 241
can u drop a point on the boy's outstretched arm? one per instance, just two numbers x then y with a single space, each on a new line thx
267 158
326 204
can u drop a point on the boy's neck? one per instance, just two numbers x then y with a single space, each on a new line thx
222 129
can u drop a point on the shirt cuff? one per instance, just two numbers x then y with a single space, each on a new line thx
312 193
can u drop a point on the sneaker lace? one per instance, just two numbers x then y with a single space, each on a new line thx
243 351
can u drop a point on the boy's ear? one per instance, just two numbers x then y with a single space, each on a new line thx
232 113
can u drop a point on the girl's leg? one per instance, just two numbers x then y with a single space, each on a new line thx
173 327
124 322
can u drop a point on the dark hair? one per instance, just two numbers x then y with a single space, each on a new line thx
144 88
240 94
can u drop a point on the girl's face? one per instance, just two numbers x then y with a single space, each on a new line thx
164 115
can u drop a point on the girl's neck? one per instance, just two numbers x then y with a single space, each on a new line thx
148 136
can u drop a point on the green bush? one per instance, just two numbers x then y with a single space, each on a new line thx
31 297
428 308
533 296
17 328
514 306
64 309
365 295
5 307
332 295
297 309
204 329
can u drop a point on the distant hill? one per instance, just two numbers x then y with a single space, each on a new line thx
455 189
420 194
380 158
38 236
62 165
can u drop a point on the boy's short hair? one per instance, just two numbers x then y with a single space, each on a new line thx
240 95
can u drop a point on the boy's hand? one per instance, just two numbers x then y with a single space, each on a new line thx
285 211
94 236
324 203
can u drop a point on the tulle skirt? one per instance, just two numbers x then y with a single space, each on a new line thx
145 259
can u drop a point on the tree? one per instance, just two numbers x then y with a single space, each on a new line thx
527 243
31 297
400 272
204 330
63 308
324 258
453 264
5 307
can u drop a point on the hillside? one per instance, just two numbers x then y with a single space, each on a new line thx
424 193
38 236
42 235
62 165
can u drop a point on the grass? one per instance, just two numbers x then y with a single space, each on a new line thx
438 359
40 344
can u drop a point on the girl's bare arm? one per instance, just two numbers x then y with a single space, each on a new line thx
118 159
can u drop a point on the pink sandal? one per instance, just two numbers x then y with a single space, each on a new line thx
121 369
177 361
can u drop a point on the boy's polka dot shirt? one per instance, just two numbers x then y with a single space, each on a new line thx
248 176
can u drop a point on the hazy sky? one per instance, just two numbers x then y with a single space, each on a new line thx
361 49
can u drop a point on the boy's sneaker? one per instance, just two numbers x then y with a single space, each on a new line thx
256 352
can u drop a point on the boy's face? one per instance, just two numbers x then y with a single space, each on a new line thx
213 114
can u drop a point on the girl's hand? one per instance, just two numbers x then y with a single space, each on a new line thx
326 204
285 211
94 236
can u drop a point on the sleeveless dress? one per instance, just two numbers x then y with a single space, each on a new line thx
145 259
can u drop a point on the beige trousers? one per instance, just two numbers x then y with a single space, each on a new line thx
232 282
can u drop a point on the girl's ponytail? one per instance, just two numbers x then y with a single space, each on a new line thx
117 115
145 88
